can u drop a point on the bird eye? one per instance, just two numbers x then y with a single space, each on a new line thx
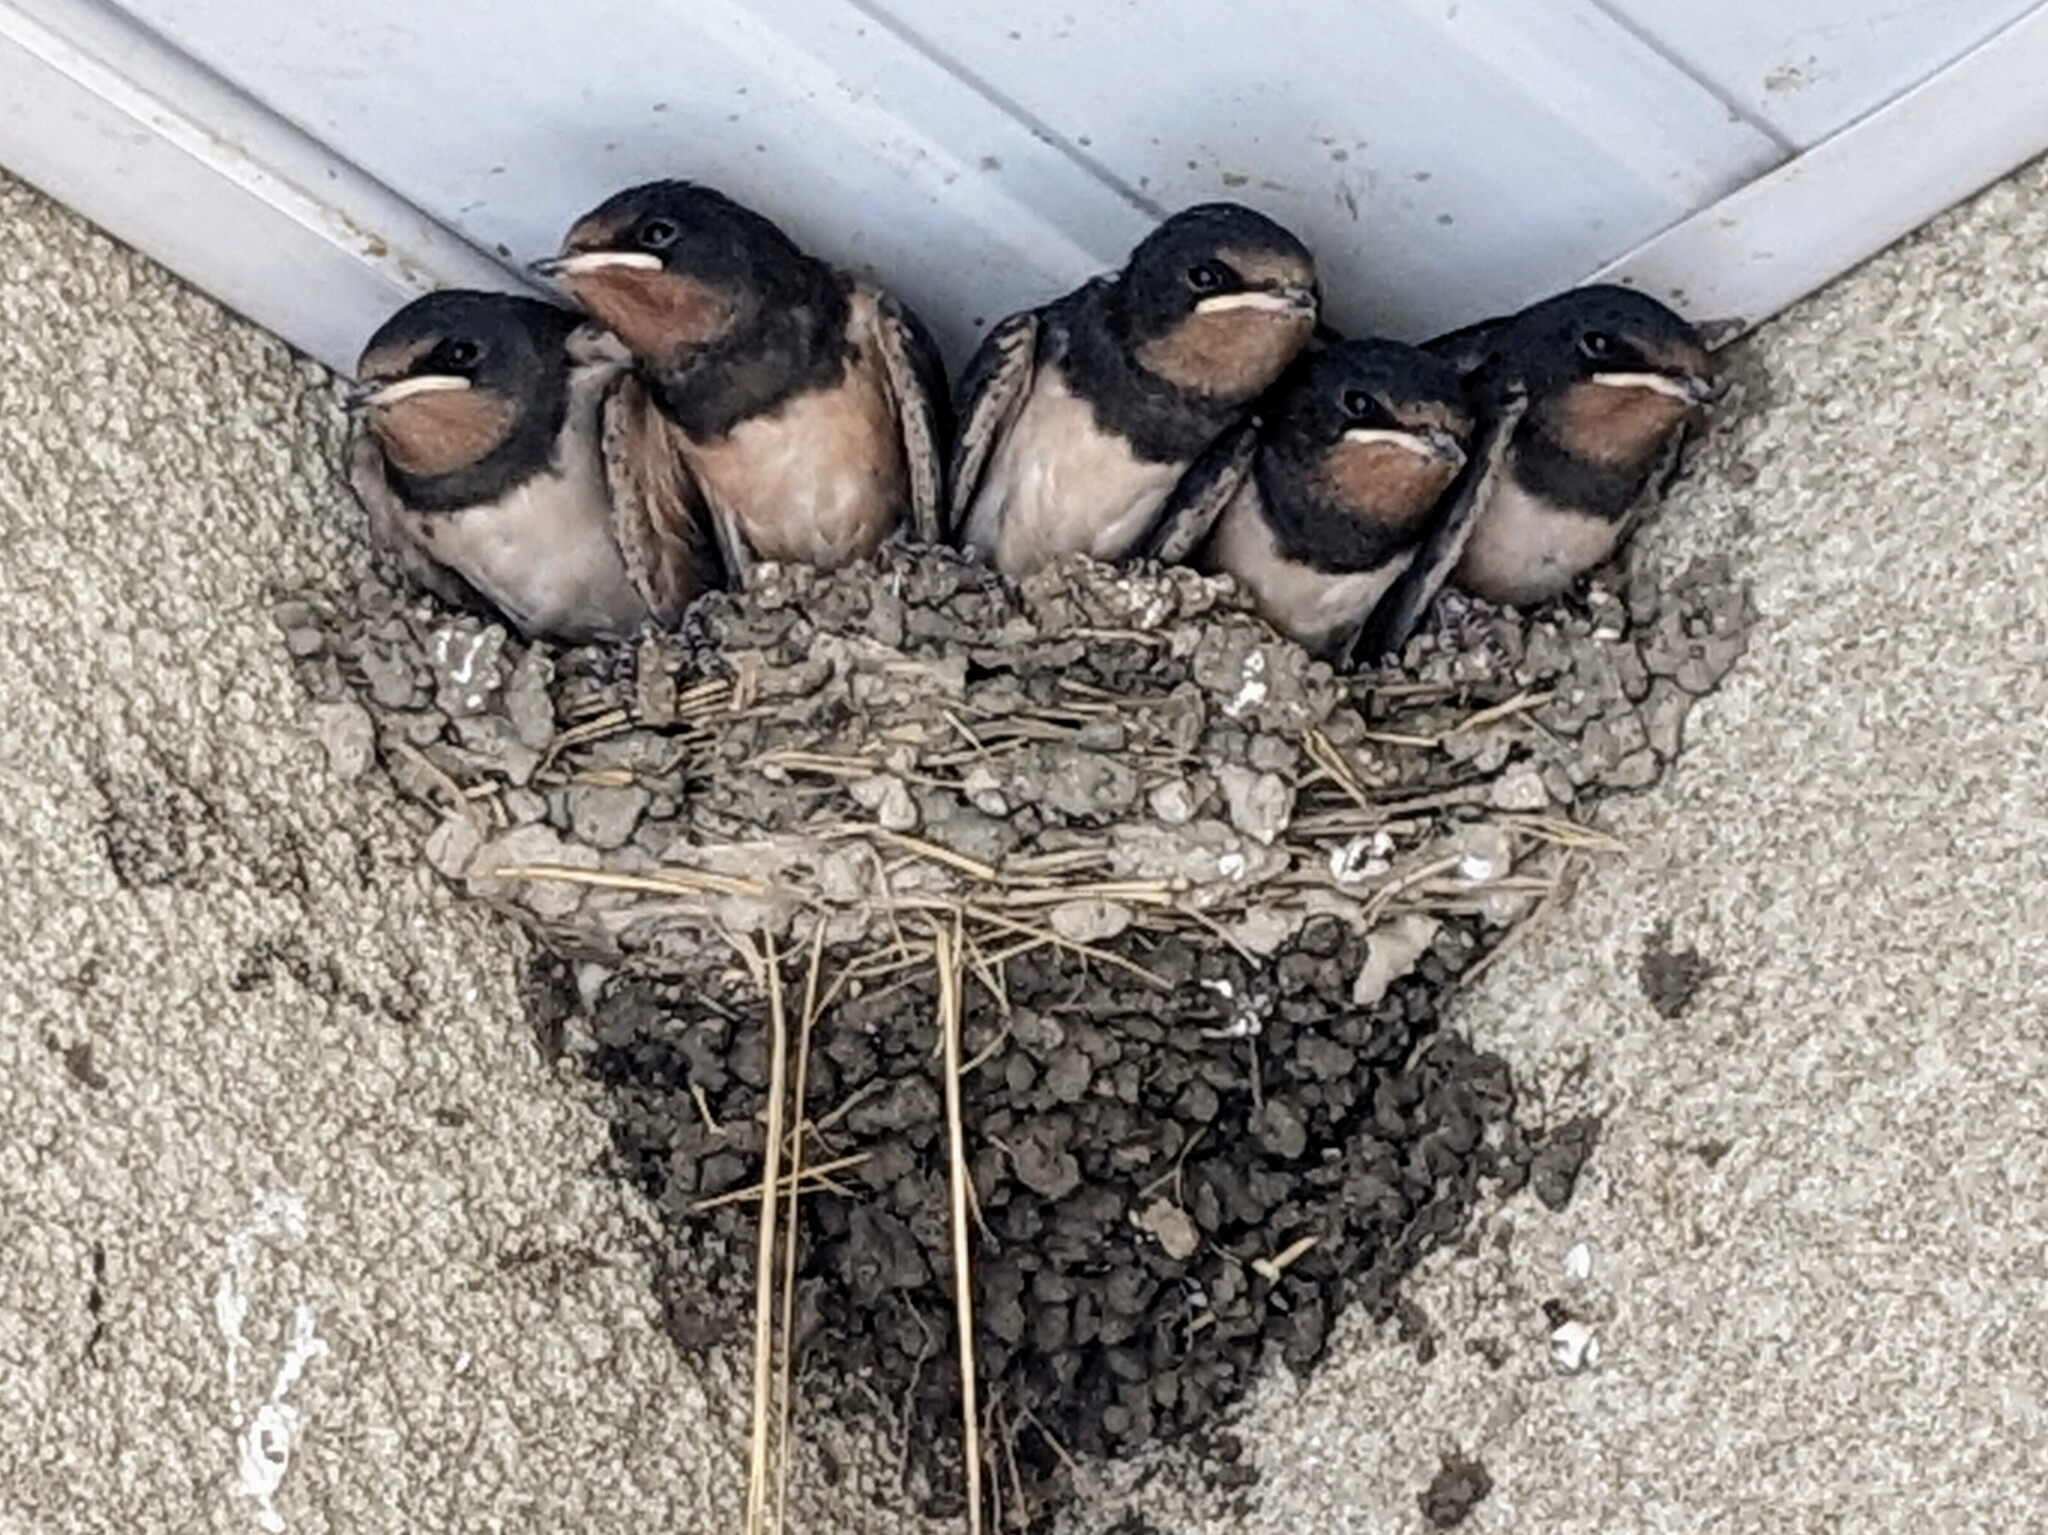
463 354
1597 344
1207 278
1356 404
659 234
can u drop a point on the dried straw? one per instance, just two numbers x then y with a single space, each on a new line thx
818 1177
612 722
677 882
948 946
789 1244
459 803
764 1264
1521 703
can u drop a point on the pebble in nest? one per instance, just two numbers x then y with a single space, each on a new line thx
1207 898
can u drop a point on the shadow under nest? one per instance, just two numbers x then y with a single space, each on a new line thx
1198 905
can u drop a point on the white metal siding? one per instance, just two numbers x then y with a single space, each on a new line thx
1446 158
1443 159
1805 69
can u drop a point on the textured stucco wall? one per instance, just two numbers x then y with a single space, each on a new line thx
254 1057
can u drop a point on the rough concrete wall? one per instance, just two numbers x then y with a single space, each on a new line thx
252 1053
1818 1216
255 1060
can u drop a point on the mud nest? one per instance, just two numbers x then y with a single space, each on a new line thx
1203 903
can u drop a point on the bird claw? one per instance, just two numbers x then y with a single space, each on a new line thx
1465 625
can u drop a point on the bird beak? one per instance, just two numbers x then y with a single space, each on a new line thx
377 394
1284 299
1688 388
1444 448
584 263
1430 442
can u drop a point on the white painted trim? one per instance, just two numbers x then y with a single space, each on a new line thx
103 114
1649 113
164 155
1790 232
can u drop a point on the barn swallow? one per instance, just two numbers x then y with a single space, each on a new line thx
810 408
1079 421
506 456
1584 399
1612 379
1359 444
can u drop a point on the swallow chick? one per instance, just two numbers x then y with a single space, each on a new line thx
1358 446
809 409
1079 421
505 456
1610 381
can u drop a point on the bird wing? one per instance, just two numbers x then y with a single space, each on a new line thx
1387 628
394 527
1469 348
658 511
1198 500
991 391
1673 463
917 381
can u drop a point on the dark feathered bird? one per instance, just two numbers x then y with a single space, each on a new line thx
1355 452
1584 400
1079 421
505 455
809 408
